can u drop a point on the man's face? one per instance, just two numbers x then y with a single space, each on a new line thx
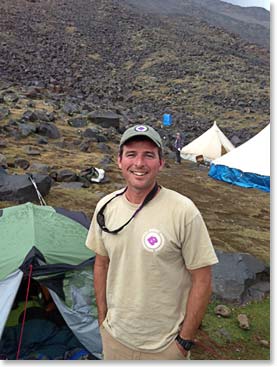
140 164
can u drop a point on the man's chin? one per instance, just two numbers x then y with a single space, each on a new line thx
141 185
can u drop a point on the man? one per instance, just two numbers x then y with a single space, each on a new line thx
178 144
152 273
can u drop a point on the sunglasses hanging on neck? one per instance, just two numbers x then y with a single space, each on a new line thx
101 217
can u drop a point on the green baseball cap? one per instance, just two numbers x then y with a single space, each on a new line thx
141 130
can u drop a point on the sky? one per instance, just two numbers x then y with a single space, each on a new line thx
261 3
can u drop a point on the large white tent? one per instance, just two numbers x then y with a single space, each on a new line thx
248 165
209 146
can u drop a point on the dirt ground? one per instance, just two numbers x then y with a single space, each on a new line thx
238 219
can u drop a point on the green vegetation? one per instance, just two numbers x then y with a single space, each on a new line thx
228 341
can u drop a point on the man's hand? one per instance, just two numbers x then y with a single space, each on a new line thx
101 266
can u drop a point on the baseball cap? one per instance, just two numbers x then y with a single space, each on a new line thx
141 130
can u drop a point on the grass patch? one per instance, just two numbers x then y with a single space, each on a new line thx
234 343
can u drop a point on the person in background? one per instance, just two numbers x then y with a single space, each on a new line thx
178 145
152 271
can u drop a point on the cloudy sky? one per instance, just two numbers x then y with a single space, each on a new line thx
262 3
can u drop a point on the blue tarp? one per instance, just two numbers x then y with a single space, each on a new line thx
237 177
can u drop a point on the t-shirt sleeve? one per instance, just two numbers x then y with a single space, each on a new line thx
94 239
197 248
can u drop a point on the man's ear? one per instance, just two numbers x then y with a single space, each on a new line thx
119 160
162 162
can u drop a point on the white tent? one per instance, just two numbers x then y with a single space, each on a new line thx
209 146
248 165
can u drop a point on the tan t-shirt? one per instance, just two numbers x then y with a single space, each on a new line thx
148 280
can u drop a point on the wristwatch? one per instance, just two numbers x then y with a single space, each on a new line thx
186 344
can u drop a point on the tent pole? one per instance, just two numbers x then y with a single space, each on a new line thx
25 310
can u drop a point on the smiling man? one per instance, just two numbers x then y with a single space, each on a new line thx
152 273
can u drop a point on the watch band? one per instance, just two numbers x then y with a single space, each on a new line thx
186 344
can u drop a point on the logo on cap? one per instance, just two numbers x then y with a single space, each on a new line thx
141 128
153 240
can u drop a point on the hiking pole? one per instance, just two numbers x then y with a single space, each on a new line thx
25 310
40 197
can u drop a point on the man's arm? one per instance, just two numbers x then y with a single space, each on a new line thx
198 300
101 266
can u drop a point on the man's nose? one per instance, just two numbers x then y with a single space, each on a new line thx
139 161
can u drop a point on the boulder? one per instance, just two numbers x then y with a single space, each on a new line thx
78 122
10 96
66 175
222 310
50 130
105 119
28 149
4 112
3 161
235 276
21 163
2 144
39 168
70 108
26 129
42 140
243 321
235 140
91 134
30 116
19 188
44 115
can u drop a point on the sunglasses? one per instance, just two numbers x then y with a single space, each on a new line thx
100 217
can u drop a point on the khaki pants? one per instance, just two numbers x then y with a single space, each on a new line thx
114 350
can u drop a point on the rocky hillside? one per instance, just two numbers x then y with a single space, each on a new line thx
108 55
250 23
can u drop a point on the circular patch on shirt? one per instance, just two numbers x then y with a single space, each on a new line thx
153 240
141 128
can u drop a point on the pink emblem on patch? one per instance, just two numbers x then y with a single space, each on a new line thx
152 240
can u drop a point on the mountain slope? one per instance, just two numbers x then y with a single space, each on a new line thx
109 54
250 23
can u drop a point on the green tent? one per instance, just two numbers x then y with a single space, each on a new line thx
47 245
58 238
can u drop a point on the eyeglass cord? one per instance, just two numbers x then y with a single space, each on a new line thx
101 217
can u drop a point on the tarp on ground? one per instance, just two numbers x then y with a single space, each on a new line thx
248 165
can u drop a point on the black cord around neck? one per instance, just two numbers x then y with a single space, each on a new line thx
101 217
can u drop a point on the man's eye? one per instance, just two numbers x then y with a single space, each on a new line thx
150 155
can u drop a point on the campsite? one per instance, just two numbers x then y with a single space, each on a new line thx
237 218
63 106
211 145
